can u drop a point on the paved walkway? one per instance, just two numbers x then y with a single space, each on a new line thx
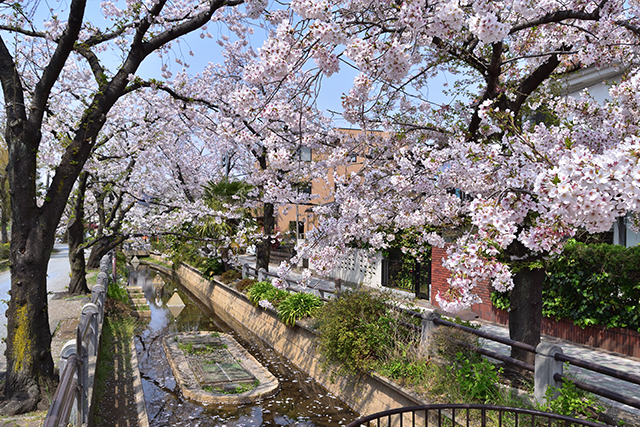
591 354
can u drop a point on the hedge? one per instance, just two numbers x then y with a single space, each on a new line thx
591 284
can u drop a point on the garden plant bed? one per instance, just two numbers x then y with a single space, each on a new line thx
212 367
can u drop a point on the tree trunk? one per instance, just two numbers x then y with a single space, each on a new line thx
525 315
102 247
5 201
30 375
75 233
98 250
263 248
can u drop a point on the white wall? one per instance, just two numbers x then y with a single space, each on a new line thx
359 268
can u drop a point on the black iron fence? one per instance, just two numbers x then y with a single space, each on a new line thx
467 415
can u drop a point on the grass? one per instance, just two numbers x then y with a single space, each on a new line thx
114 364
241 388
156 262
92 278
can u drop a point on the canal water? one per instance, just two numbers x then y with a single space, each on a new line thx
300 402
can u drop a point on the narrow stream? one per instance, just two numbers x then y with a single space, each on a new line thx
300 402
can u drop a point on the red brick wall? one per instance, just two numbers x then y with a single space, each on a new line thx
622 341
439 276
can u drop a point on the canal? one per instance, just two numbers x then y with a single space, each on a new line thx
300 402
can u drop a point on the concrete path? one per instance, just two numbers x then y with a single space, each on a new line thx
591 354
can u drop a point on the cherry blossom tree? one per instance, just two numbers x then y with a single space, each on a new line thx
504 189
264 125
60 82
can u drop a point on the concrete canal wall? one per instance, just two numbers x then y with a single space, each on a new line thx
369 395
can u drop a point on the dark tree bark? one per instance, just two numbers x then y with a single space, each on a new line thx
263 248
30 376
75 233
101 247
525 315
5 209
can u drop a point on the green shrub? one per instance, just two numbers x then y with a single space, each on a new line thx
266 291
211 267
569 400
477 379
118 291
244 284
407 367
122 268
229 276
357 331
297 306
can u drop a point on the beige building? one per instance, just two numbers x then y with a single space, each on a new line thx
302 214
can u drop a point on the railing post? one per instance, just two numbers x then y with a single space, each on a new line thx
103 279
428 327
69 349
93 311
98 297
262 275
245 271
546 366
83 378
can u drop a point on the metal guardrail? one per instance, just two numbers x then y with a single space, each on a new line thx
76 380
557 376
467 415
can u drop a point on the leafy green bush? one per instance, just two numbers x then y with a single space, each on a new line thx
569 400
477 377
406 366
358 330
591 284
211 267
229 276
266 291
244 284
297 306
118 291
122 268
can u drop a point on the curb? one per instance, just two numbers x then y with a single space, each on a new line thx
141 406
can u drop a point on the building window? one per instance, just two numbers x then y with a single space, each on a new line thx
292 228
303 187
305 154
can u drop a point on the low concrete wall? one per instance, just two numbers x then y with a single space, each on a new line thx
366 396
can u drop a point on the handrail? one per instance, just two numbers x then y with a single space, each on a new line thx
558 377
64 396
492 337
75 382
448 411
600 391
495 355
621 375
